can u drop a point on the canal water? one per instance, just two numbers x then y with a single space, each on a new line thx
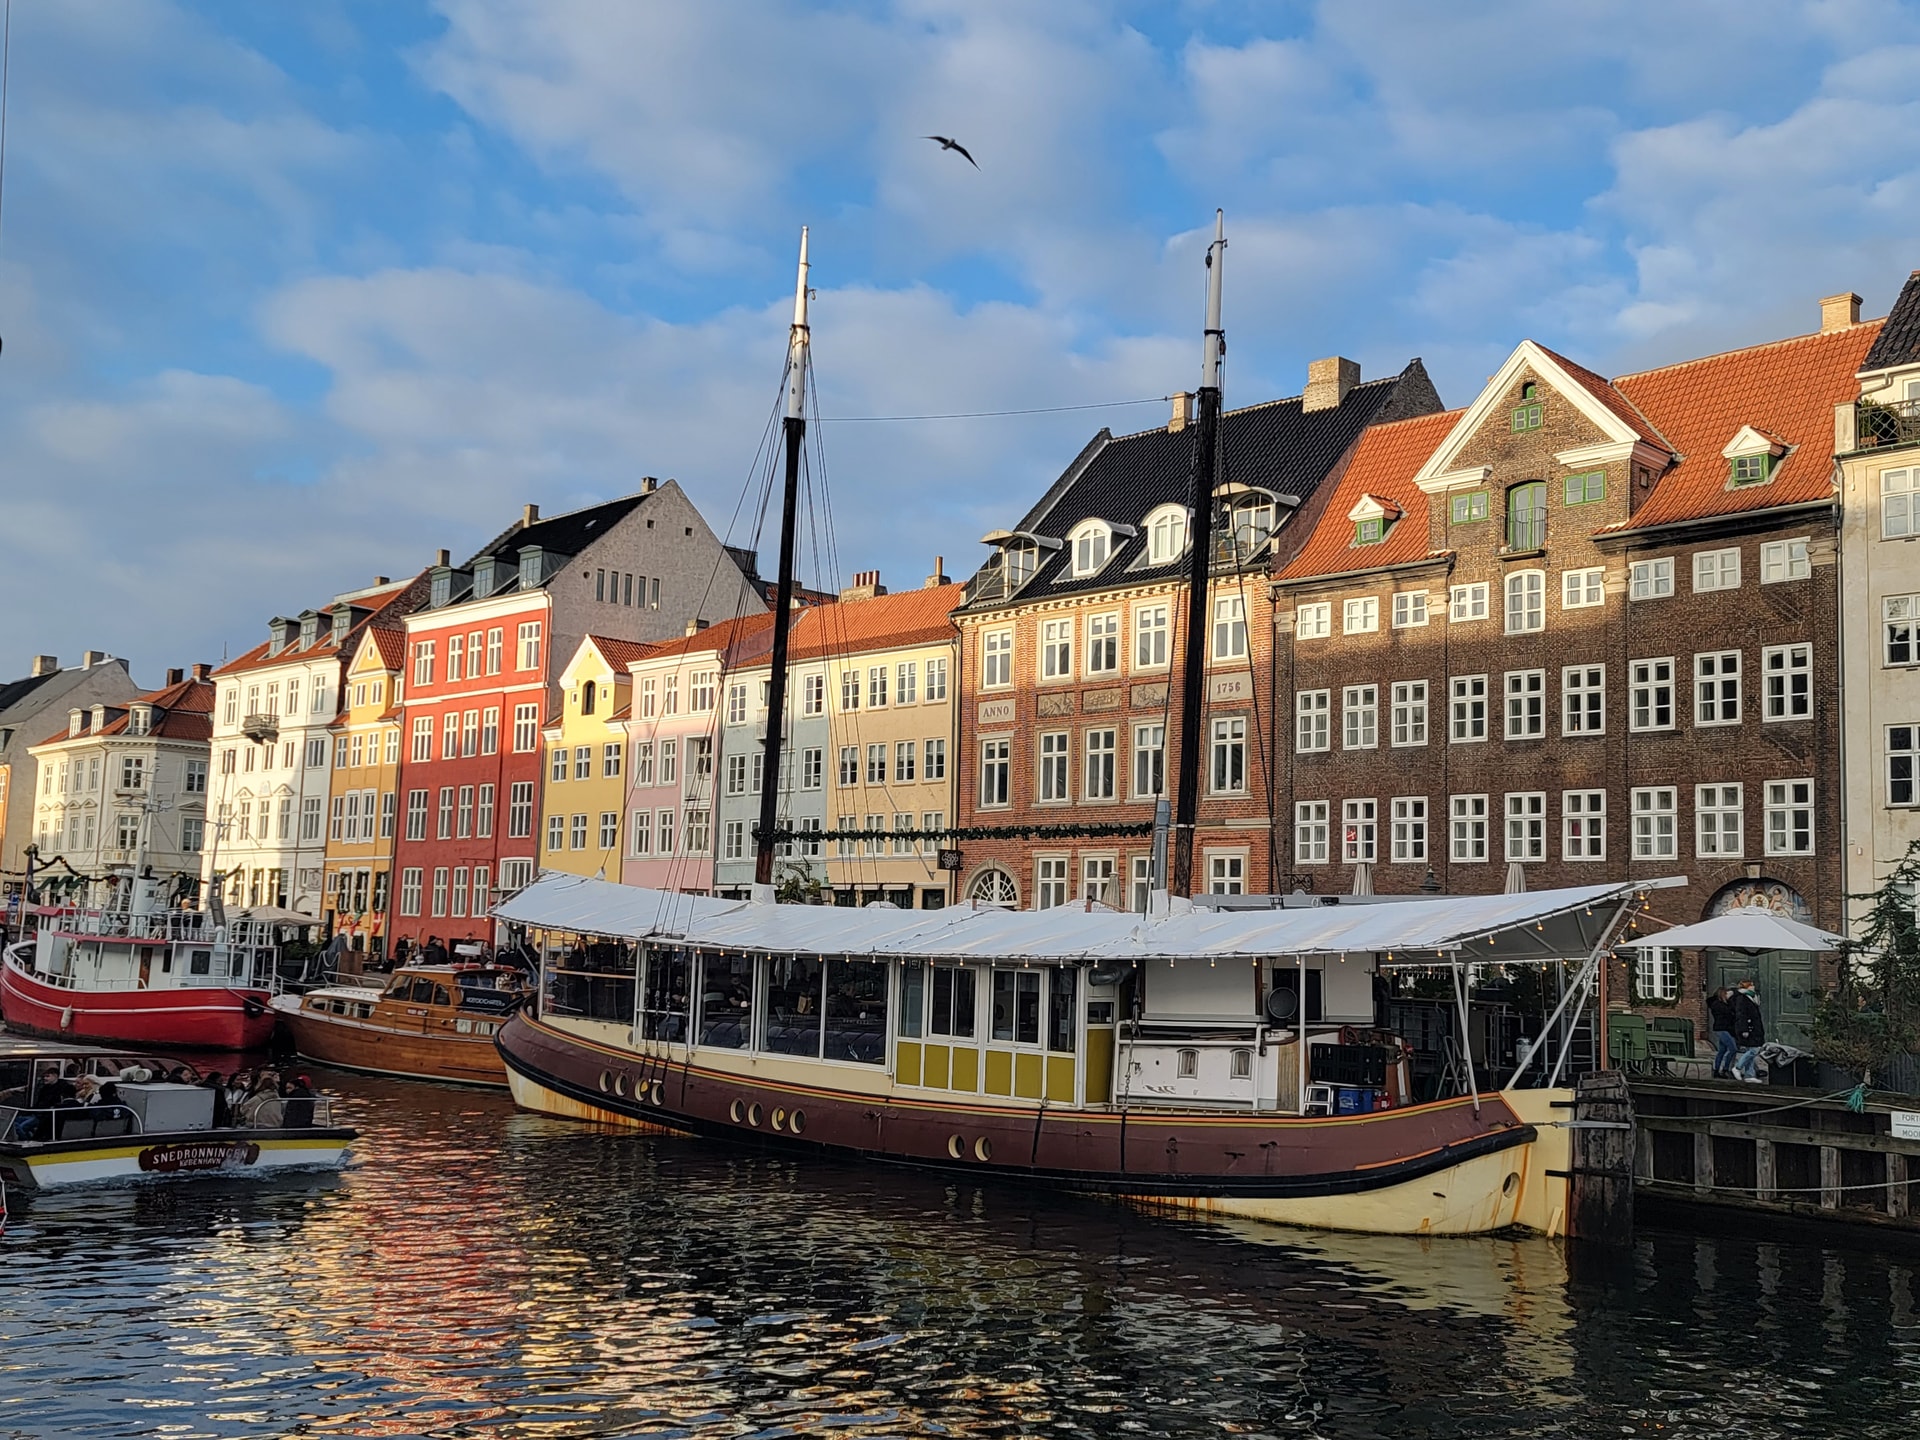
483 1272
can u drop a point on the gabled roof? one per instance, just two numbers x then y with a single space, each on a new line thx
736 641
388 603
566 534
884 622
388 643
620 653
1898 342
1787 388
1278 446
1383 465
1604 390
14 691
183 711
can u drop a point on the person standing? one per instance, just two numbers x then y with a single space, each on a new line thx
1720 1021
1749 1029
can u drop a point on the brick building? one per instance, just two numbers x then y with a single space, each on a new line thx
1583 630
1071 643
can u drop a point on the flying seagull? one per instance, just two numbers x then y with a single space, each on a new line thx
946 144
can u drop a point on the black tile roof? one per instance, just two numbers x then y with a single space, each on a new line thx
1276 446
1898 342
14 691
567 534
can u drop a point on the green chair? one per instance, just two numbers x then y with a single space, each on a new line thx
1670 1038
1627 1044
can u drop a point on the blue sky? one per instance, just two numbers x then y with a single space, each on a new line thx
295 294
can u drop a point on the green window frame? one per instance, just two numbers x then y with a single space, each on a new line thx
1527 417
1527 515
1751 469
1585 489
1469 507
1369 532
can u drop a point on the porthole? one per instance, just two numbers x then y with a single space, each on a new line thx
620 1085
797 1121
957 1146
1512 1181
779 1119
753 1116
737 1111
983 1149
606 1081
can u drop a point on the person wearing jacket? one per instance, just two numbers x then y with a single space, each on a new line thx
1749 1029
1720 1021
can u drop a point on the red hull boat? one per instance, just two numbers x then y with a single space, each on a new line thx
232 1018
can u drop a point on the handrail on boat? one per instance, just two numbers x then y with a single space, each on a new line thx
85 1122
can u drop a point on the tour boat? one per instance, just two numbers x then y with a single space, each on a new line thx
145 1127
431 1022
145 975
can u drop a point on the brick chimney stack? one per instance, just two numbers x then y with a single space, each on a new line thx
939 575
202 671
175 675
1328 382
46 665
91 658
1182 412
1837 312
529 516
866 585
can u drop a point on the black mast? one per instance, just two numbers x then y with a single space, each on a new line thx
1193 676
794 429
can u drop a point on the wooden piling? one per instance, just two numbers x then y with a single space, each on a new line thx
1600 1198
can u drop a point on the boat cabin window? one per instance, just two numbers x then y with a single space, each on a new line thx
1060 1006
856 1011
955 992
726 986
200 962
663 1005
791 1013
1016 1006
913 998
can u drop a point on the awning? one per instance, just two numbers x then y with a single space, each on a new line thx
1751 927
274 915
1410 930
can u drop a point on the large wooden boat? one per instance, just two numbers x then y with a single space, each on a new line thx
141 1126
142 976
430 1022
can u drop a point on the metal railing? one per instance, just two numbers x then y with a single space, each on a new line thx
21 1123
1879 424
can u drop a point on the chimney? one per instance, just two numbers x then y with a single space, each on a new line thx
91 658
866 585
527 518
46 665
1182 412
694 627
648 484
1837 312
175 675
202 671
442 558
381 580
939 575
1328 382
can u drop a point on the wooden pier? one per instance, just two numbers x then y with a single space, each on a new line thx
1778 1150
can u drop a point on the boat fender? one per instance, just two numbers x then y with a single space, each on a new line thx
66 1018
253 1008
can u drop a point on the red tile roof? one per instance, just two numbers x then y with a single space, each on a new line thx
621 653
1384 462
180 712
913 617
1608 394
742 634
392 645
377 601
1787 388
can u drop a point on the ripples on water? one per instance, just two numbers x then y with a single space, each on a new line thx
489 1272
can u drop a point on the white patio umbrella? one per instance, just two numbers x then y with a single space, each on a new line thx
1751 927
1516 878
1363 878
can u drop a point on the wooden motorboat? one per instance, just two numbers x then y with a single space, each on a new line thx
431 1022
140 1125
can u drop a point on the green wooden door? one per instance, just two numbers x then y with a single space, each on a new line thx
1784 980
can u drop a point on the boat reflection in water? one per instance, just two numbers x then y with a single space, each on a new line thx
516 1275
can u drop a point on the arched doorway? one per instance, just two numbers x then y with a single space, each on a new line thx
994 886
1784 979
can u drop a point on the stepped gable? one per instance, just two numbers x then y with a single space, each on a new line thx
1786 389
1383 465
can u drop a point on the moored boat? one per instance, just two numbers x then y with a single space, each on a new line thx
430 1022
138 1124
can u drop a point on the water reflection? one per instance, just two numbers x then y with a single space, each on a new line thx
488 1272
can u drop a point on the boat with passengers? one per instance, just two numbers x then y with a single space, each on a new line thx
74 1115
429 1022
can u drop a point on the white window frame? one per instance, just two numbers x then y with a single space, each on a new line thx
1526 814
1716 688
1409 835
1229 641
1583 700
1784 799
1584 588
1716 570
1409 609
1467 829
1782 700
1311 829
1314 621
1583 825
1719 820
1360 717
1466 603
1464 694
1645 678
1650 579
1360 832
1526 704
1151 636
1526 601
1784 560
1056 649
1360 616
1409 715
996 659
1899 516
1054 780
1900 744
1313 721
1656 822
1103 643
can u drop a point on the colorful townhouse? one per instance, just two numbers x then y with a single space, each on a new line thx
674 733
585 795
125 786
1071 639
1877 444
1583 630
484 657
273 747
869 750
363 808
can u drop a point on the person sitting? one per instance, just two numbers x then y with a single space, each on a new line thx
297 1097
86 1091
109 1094
222 1111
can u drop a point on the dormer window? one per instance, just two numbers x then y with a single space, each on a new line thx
1250 520
1369 532
1752 457
532 567
442 589
1166 534
1091 543
342 620
1022 559
139 719
1372 517
1528 414
309 630
483 577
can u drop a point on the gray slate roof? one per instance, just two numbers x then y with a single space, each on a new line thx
1898 342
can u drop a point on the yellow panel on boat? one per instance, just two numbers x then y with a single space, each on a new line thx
1099 1066
999 1073
933 1066
966 1069
906 1064
1060 1079
1026 1076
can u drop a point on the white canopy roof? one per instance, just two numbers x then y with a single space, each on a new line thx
1543 925
1751 927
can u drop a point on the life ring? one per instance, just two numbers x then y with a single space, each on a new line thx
66 1018
252 1008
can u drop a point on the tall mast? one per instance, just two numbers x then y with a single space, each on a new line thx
795 435
1199 565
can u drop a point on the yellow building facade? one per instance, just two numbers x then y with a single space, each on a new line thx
364 795
584 783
